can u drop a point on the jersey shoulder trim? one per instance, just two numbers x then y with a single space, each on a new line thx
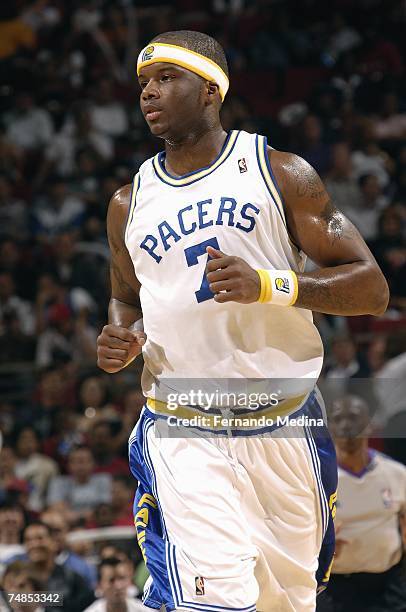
261 144
133 200
192 177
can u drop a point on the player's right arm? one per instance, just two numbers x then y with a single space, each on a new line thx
121 340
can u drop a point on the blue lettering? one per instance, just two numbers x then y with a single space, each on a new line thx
249 218
170 232
184 231
151 247
203 213
227 205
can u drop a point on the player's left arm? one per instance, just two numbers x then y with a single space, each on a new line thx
348 280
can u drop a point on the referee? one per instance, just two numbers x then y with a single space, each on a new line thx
368 573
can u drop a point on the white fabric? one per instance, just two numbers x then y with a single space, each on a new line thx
244 513
370 164
161 52
30 130
133 605
188 339
23 310
52 220
368 510
109 119
64 148
37 469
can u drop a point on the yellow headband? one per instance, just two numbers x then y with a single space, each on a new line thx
199 64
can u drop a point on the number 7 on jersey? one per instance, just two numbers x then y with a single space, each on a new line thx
192 255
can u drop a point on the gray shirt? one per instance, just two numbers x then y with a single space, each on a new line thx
96 490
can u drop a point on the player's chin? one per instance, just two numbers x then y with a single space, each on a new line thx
158 129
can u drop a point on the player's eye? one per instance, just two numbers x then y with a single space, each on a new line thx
143 84
166 77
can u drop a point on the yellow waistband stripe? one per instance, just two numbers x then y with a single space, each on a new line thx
185 412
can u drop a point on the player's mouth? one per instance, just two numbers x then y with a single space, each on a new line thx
152 114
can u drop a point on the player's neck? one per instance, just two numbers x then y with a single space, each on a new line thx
354 459
197 150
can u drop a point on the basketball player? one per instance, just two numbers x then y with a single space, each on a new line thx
367 574
208 247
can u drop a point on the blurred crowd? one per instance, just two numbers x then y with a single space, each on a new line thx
324 80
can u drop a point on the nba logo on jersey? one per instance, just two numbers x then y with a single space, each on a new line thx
199 582
282 284
387 498
242 165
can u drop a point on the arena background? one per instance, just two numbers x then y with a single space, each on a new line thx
325 80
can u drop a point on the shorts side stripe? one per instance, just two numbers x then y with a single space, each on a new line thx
176 587
316 466
311 450
148 424
177 597
146 427
319 483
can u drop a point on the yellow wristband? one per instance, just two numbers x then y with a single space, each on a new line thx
279 287
266 289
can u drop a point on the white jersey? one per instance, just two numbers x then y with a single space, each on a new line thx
233 205
368 508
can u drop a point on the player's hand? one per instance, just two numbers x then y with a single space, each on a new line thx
231 279
340 542
116 346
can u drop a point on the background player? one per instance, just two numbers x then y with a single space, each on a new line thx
285 201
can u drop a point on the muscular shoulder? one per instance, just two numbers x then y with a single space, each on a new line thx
306 201
120 201
118 209
296 178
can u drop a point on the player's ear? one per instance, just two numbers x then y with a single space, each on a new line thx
212 91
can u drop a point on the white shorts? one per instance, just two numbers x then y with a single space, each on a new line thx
241 523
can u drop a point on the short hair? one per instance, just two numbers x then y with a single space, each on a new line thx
16 567
111 562
103 423
10 502
19 429
37 523
21 566
198 42
80 447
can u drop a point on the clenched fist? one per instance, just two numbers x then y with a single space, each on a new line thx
231 279
117 346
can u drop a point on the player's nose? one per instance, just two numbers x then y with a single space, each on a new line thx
150 91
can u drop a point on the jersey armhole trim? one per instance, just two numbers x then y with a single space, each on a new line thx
270 182
266 172
133 200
